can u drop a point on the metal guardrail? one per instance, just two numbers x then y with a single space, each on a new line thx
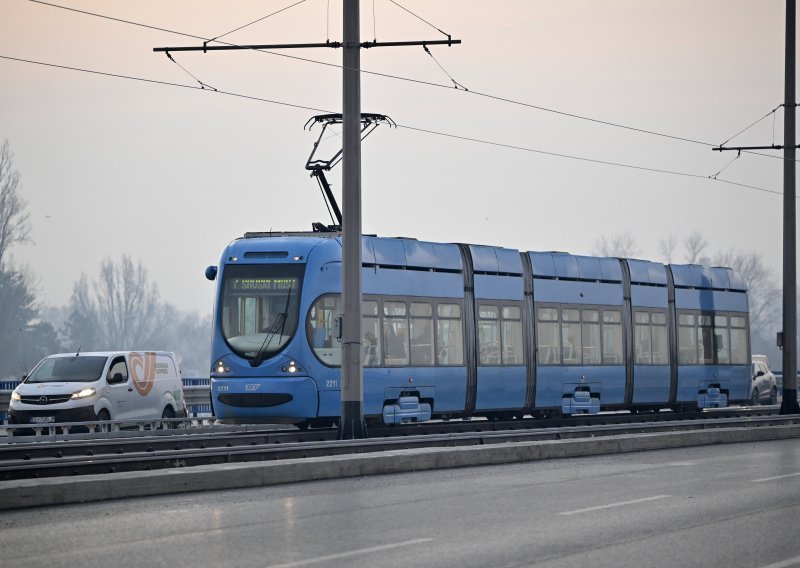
195 391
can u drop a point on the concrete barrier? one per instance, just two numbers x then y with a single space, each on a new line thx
63 490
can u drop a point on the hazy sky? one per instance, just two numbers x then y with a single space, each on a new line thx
170 175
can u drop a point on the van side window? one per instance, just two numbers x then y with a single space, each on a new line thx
118 366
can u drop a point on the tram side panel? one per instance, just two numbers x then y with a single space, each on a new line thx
499 299
713 336
578 305
650 325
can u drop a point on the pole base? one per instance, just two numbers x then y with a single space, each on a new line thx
789 404
351 424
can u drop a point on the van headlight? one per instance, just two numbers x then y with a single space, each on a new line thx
15 396
85 393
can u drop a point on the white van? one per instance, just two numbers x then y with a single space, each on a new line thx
117 385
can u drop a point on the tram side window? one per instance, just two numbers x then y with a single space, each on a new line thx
705 339
320 329
687 340
738 340
449 335
512 335
658 330
488 335
590 332
548 343
612 337
421 334
643 338
571 336
395 333
370 324
721 342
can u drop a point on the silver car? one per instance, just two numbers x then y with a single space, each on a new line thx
764 388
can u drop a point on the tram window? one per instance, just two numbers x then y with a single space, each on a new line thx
738 340
687 340
658 330
449 335
512 336
370 324
705 340
488 335
721 342
548 344
395 333
590 332
643 338
320 332
421 334
571 336
612 337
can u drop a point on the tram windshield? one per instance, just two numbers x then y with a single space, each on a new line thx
259 308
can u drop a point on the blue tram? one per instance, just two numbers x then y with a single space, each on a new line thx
457 330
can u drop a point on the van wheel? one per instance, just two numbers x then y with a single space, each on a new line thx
168 413
773 396
101 416
754 398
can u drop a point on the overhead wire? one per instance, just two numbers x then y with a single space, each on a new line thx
415 81
407 127
746 128
256 21
584 159
202 85
166 83
725 167
420 18
401 78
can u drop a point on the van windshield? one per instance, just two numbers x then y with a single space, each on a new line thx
81 369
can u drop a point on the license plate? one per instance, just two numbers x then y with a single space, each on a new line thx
42 419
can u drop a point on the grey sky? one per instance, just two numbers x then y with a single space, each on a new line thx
169 175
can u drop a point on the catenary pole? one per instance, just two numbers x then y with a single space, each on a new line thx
789 404
351 424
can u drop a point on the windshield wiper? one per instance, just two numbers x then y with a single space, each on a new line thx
280 321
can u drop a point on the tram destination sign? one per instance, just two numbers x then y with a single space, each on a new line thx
262 284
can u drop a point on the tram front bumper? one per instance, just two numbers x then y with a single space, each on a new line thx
278 399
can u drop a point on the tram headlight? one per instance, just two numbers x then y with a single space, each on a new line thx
221 368
84 393
292 367
15 396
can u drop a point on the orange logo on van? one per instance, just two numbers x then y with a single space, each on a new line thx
143 371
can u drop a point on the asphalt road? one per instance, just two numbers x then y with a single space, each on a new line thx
729 506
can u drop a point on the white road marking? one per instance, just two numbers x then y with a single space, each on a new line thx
321 559
784 563
612 505
776 477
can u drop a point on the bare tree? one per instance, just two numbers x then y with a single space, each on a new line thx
119 310
621 245
14 223
666 247
764 294
696 245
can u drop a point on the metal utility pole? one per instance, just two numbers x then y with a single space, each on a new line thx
789 404
788 337
351 424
